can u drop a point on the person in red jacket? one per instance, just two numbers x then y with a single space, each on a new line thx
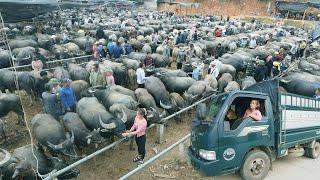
218 32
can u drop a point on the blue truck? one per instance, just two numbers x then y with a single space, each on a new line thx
224 142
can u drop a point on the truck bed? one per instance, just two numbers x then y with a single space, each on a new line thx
299 119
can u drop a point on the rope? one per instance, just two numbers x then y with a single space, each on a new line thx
19 93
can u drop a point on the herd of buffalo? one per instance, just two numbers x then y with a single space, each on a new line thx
105 112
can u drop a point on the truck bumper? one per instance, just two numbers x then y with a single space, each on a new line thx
207 168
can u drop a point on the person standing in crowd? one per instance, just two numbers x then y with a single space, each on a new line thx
154 41
218 51
181 58
117 51
214 69
96 78
317 94
68 98
51 104
166 49
110 47
269 64
217 32
127 48
39 87
36 63
139 131
109 79
253 43
302 47
148 61
196 73
293 51
141 76
260 71
95 52
88 46
99 33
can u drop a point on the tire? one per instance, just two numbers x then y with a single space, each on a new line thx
256 165
313 152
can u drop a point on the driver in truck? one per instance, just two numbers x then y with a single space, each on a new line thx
253 111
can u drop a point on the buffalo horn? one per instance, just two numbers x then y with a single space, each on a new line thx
107 126
55 147
164 106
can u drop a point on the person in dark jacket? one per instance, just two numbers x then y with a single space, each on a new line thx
127 48
41 83
218 51
68 98
117 51
99 33
260 71
51 104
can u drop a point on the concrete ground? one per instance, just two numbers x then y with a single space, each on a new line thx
300 168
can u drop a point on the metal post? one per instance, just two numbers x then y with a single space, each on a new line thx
160 133
139 168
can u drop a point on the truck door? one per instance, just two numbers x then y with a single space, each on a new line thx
238 134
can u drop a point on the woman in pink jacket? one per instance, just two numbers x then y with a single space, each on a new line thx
139 131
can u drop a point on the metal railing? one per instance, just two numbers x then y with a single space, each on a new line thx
57 173
52 64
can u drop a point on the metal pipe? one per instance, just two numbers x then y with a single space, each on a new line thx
49 62
151 160
51 176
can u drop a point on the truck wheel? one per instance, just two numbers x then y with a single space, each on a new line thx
256 165
313 152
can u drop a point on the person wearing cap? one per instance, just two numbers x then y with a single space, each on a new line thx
96 78
39 87
50 101
68 98
55 86
181 58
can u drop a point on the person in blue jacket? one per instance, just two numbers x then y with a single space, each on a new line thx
68 98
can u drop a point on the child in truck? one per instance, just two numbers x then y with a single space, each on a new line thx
253 111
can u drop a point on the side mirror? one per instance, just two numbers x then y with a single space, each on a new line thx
201 111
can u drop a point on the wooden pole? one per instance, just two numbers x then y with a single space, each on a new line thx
304 15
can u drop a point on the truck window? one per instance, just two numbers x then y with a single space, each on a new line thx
236 111
215 106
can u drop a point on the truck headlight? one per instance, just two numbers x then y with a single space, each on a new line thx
207 155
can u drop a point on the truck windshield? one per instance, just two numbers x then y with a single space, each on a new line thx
215 106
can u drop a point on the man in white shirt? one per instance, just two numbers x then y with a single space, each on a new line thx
253 43
141 78
214 69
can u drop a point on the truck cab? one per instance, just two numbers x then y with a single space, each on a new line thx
222 137
224 140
